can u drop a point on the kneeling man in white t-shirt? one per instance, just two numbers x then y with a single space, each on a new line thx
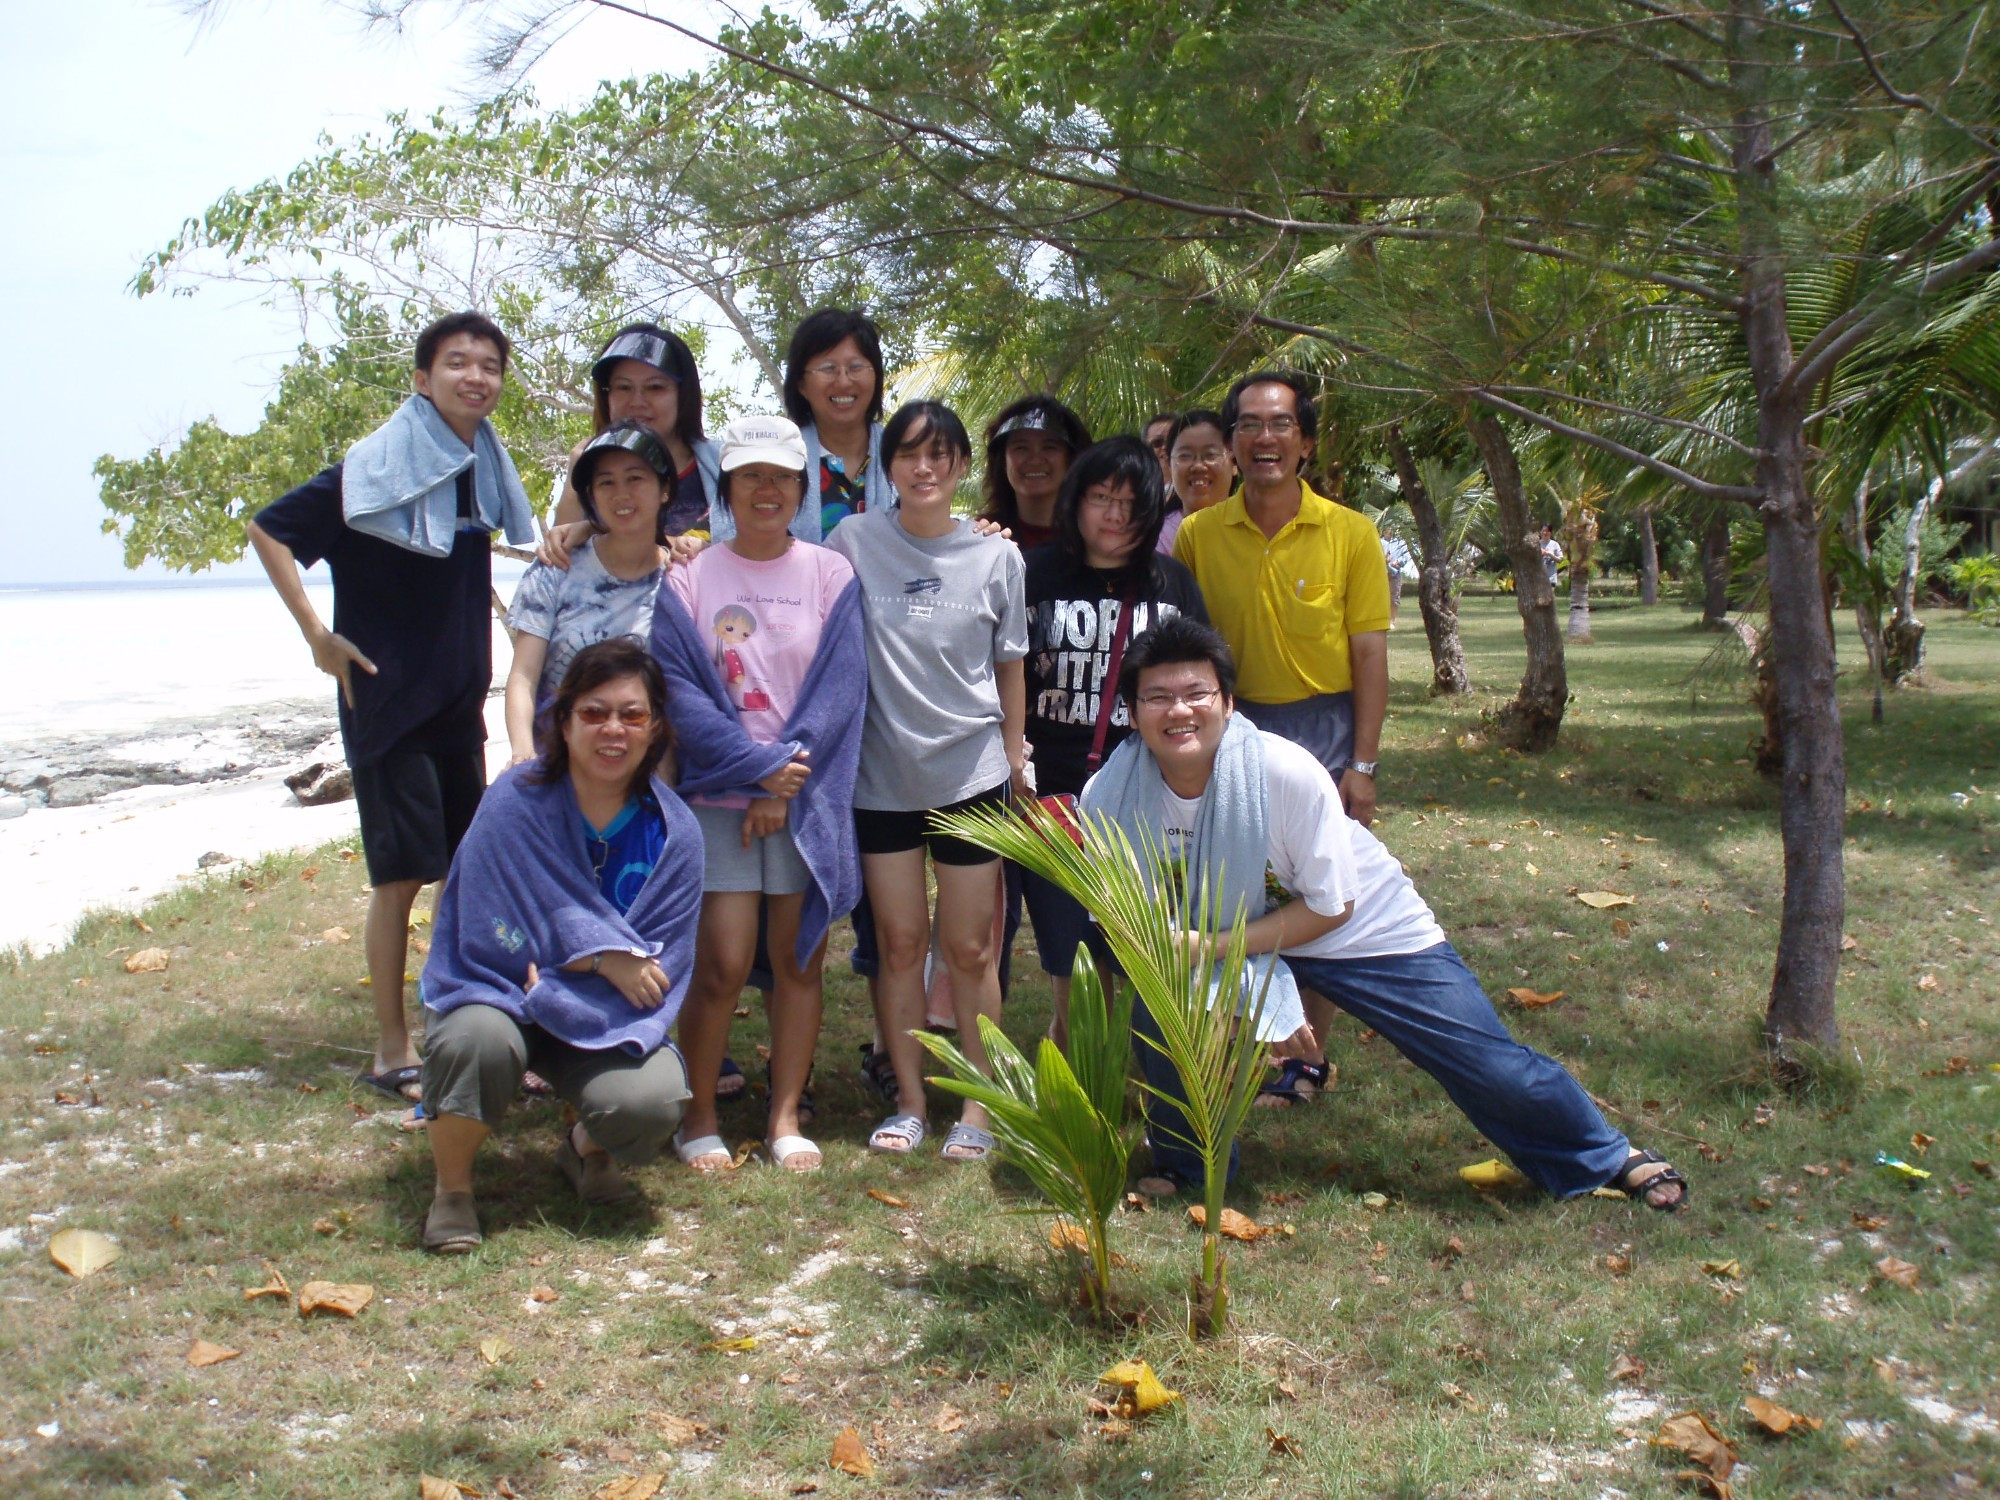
1341 914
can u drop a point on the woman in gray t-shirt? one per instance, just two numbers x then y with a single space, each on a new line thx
947 711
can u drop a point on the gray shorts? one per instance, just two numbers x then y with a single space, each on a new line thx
1323 724
771 864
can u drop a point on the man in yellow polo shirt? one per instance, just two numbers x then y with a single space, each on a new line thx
1296 585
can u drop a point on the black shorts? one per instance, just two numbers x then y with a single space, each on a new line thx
415 806
895 832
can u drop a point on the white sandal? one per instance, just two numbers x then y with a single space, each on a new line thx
693 1152
899 1135
785 1147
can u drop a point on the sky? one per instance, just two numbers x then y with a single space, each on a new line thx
125 117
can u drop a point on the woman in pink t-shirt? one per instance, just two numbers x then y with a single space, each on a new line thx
758 602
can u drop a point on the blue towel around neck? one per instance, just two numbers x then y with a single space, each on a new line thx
875 491
1225 859
716 754
400 482
522 890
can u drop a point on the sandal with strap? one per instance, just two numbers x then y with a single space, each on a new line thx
898 1135
452 1225
730 1084
965 1142
878 1072
787 1147
1297 1082
1667 1177
693 1153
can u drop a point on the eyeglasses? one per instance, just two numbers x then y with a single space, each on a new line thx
1097 500
1187 458
781 480
1276 426
1193 698
597 715
854 369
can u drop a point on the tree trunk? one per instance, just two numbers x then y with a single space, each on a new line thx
1434 595
1649 560
1533 719
1867 607
1903 642
1582 548
1715 572
1813 794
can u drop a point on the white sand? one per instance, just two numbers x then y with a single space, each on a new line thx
130 848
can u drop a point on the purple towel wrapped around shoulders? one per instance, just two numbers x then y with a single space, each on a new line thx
522 890
717 755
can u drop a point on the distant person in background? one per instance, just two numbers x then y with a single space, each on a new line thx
1093 589
648 376
1029 446
1157 433
1552 552
565 938
625 478
1401 565
411 643
1200 472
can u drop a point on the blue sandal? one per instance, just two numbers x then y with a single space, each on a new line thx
1297 1082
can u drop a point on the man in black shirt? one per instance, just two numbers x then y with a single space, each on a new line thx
403 526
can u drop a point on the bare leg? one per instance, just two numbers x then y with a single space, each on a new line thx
903 934
1059 1014
794 1009
725 946
386 937
965 932
455 1140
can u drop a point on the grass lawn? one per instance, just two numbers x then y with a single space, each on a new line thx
1440 1343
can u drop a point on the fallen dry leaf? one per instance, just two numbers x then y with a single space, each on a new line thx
1690 1433
1847 943
493 1350
1775 1420
850 1457
148 961
82 1252
1707 1483
1625 1367
1282 1444
1983 1168
1235 1226
1814 1169
1375 1202
1603 900
1140 1391
1529 999
730 1346
544 1294
1620 927
337 935
1618 1263
334 1297
951 1419
1064 1235
1928 982
889 1198
1889 1268
1921 1143
806 1487
630 1487
1729 1269
204 1354
678 1432
273 1287
1869 1221
430 1487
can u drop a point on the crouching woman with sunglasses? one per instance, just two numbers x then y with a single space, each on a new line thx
564 942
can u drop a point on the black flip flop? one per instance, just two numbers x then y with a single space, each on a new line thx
393 1081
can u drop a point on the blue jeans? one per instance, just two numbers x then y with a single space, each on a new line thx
1323 724
1430 1007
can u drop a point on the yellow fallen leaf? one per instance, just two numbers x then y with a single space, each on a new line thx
1375 1202
1731 1270
950 1419
1282 1445
347 1299
337 935
82 1252
274 1286
1928 982
204 1354
493 1350
148 961
1775 1420
1620 927
430 1487
1492 1173
1889 1268
1140 1391
1625 1367
544 1294
1529 999
730 1346
630 1487
1603 900
678 1432
1235 1226
1690 1433
850 1457
1920 1143
889 1198
1064 1235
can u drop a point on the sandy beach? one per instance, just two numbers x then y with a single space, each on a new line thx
145 729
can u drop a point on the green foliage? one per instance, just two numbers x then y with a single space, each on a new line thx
1978 579
1148 919
1061 1119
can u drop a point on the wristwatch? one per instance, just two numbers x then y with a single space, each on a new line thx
596 962
1363 767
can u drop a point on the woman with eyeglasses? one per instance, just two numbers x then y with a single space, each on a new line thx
946 632
1093 589
761 640
625 478
1200 471
648 376
564 940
